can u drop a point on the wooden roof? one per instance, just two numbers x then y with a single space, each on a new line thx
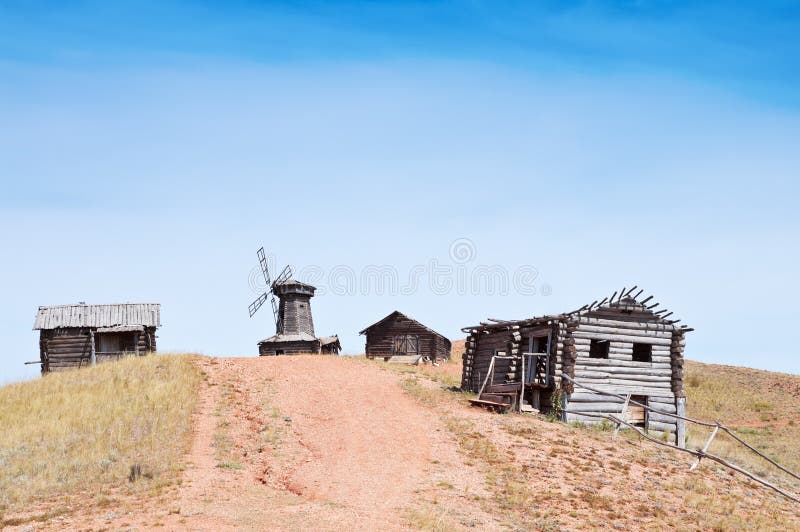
97 316
400 314
625 300
299 337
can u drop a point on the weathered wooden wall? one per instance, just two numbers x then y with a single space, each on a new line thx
289 348
61 349
295 310
380 338
480 349
619 373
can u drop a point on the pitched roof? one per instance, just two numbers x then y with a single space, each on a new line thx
619 301
299 337
82 315
325 340
398 313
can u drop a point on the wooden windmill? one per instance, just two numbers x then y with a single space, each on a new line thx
294 326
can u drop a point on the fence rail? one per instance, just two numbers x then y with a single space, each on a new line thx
699 453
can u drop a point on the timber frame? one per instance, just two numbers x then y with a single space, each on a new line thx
623 345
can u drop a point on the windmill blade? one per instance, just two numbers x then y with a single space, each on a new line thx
284 275
262 260
255 305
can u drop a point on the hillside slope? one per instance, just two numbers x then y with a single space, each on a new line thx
336 443
72 438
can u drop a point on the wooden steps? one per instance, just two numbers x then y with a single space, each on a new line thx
503 388
490 404
498 396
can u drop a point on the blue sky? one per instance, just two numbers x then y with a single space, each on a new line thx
148 150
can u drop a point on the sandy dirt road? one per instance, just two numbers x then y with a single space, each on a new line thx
298 443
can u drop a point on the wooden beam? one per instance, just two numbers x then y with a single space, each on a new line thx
622 414
705 448
93 353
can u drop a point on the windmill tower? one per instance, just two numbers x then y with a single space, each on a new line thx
294 326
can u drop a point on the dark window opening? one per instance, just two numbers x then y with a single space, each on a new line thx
279 351
599 349
642 353
540 344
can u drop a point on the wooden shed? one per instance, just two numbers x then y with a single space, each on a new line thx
399 338
622 345
72 336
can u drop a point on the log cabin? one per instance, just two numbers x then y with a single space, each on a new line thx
72 336
399 338
622 345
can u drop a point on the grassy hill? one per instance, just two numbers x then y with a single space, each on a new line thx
70 440
82 432
762 406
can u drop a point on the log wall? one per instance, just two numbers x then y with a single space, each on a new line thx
481 347
61 349
619 373
289 348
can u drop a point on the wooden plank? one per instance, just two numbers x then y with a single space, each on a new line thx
626 331
622 324
479 402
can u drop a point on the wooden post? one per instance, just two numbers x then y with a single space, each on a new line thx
522 385
491 370
623 415
705 448
680 436
91 346
136 343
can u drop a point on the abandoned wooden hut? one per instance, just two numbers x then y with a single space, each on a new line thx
622 345
398 338
81 335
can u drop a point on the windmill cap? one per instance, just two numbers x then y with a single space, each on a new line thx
293 286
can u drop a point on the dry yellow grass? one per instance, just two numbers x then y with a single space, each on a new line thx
763 407
548 476
76 430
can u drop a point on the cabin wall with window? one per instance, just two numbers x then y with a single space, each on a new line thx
400 336
624 354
